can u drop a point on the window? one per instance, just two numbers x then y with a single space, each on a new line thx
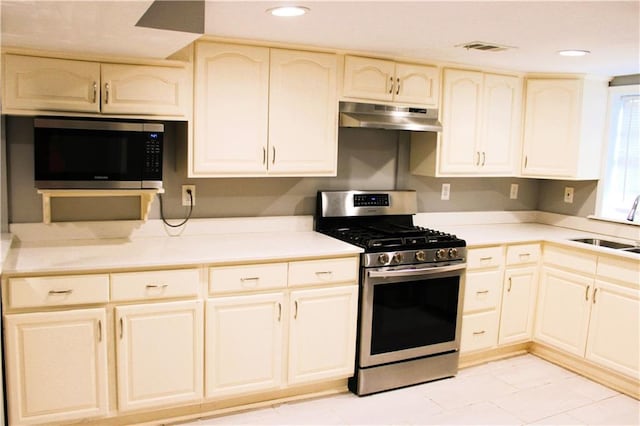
620 183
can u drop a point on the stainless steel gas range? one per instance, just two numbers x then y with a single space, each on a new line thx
411 289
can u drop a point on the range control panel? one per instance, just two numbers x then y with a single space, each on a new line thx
371 200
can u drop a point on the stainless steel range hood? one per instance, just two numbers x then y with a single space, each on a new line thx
354 114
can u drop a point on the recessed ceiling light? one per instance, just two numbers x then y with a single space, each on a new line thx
288 11
573 52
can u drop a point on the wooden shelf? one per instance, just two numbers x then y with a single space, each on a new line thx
146 198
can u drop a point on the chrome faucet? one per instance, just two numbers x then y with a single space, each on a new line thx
632 212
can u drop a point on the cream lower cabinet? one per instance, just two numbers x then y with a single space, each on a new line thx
244 344
519 293
56 366
159 351
483 289
322 334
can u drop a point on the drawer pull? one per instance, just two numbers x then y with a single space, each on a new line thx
250 279
160 286
478 333
482 292
523 255
324 272
59 292
484 259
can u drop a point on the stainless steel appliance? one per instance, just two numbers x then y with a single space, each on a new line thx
71 153
411 289
375 116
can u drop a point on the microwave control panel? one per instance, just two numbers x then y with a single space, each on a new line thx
153 156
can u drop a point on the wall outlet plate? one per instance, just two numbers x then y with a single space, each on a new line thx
568 194
446 191
186 200
513 194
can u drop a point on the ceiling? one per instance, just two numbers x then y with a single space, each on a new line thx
428 30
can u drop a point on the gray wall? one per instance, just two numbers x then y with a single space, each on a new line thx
367 159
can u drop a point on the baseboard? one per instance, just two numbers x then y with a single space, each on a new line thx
481 357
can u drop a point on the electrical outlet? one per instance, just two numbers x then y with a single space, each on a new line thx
514 191
186 200
568 194
446 191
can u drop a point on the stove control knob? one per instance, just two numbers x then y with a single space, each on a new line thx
383 258
441 254
420 256
453 253
397 258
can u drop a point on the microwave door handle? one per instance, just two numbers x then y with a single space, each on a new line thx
416 272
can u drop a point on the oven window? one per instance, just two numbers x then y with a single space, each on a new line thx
414 314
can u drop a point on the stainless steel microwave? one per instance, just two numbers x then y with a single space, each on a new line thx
93 154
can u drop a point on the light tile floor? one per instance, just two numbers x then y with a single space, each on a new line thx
517 391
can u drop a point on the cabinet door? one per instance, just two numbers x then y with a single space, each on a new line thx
460 121
159 353
416 84
501 117
368 78
244 344
564 305
56 366
231 100
303 138
322 333
518 303
551 128
33 83
614 329
135 89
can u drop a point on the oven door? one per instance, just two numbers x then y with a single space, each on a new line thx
409 312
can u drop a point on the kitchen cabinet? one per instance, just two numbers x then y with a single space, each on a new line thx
56 366
519 293
261 111
483 289
159 351
564 127
481 116
566 283
322 335
384 80
39 84
244 344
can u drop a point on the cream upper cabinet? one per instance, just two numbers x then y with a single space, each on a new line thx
481 115
261 111
322 333
159 352
50 84
137 89
56 366
383 80
303 114
564 128
33 83
231 110
244 344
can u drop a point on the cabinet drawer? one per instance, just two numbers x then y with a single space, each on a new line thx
487 257
623 270
524 253
482 290
579 261
479 331
154 284
323 271
57 291
227 279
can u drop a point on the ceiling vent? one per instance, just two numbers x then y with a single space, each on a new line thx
484 46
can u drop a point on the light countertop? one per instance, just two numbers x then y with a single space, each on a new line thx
112 254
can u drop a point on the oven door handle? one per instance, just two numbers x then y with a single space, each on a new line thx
415 272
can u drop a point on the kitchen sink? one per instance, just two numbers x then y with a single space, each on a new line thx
607 243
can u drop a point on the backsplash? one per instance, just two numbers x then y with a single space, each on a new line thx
367 159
